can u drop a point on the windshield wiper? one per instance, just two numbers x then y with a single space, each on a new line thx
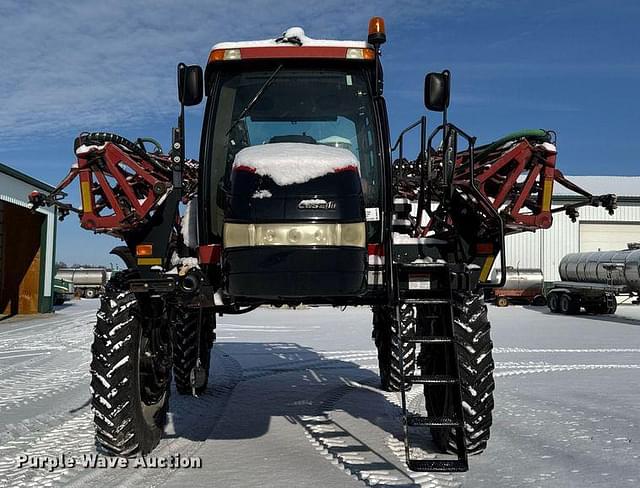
253 101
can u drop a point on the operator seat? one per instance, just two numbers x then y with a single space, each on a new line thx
302 138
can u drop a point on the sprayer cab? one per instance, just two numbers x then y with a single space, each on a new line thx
292 169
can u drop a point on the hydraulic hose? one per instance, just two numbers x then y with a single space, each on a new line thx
102 137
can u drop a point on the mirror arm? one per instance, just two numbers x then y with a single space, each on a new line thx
376 80
177 152
445 120
177 155
445 125
378 88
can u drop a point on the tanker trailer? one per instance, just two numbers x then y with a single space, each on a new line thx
87 282
522 285
592 280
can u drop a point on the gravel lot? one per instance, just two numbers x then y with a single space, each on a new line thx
293 402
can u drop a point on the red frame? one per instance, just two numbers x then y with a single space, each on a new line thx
536 163
141 174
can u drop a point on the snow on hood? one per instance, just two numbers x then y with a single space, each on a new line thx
292 32
287 163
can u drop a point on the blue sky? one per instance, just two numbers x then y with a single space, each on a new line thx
571 66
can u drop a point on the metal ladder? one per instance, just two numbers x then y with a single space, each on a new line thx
610 294
441 300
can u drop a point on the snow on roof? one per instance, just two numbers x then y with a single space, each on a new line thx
287 163
291 33
623 186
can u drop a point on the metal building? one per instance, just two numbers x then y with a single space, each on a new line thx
27 246
594 229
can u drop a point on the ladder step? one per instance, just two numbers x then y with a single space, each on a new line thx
419 421
434 379
426 266
402 206
442 465
430 340
425 301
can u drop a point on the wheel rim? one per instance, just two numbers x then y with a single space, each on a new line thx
153 372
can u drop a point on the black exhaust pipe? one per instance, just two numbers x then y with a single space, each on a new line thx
191 282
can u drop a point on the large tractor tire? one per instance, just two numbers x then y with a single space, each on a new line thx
130 375
184 324
475 363
385 334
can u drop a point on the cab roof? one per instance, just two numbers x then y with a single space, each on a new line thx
293 43
288 39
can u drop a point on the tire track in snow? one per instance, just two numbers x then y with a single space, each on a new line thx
184 434
316 426
41 382
62 364
355 456
74 434
6 371
343 449
496 350
74 337
18 433
50 323
200 419
510 350
553 368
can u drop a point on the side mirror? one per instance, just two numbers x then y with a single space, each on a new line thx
189 84
436 91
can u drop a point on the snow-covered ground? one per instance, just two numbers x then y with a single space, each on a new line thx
294 402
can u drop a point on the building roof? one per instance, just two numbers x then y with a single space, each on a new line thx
19 175
623 186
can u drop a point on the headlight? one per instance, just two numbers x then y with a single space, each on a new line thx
250 235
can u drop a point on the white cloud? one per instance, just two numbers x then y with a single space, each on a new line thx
111 64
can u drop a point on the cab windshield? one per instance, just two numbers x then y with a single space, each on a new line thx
313 106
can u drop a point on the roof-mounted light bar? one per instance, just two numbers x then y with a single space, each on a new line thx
275 52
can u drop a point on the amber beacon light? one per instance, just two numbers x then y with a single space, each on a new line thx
377 33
